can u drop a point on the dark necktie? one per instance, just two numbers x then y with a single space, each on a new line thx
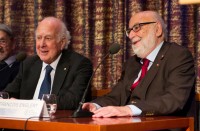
3 64
46 84
143 73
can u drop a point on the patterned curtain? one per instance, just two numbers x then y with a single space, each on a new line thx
96 24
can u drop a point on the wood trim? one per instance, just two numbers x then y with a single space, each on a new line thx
198 97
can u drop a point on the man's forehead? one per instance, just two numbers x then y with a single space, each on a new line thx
45 30
45 34
3 32
3 35
139 18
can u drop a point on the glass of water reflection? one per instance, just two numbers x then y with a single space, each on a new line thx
51 103
4 95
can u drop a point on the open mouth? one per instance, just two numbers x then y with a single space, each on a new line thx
44 52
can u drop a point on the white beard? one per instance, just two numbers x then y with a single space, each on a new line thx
146 45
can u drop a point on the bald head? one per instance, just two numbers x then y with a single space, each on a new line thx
51 38
51 21
58 26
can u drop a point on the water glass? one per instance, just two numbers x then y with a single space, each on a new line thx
4 95
51 103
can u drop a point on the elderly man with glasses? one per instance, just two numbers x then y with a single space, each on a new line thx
9 67
157 80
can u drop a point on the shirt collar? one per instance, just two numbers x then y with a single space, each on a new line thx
154 53
10 59
53 64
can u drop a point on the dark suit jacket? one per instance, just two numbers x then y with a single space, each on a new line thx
8 74
71 77
167 88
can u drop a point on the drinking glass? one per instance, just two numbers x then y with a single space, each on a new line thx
4 95
51 103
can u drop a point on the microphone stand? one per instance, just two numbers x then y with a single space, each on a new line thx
85 113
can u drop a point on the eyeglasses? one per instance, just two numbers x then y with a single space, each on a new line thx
3 42
137 27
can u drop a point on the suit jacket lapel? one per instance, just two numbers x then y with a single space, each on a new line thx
35 72
61 72
133 69
144 84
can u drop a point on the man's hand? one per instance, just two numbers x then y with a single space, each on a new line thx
111 111
89 106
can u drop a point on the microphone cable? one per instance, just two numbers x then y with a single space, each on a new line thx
26 122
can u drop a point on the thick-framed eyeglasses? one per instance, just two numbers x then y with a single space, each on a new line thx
137 27
3 41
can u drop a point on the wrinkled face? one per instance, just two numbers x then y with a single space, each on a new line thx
144 39
6 46
48 46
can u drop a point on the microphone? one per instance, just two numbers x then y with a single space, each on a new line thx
19 57
113 49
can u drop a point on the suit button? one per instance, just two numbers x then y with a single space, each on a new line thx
150 113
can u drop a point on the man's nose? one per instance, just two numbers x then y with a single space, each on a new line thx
43 42
132 34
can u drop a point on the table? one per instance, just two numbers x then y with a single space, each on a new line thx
62 122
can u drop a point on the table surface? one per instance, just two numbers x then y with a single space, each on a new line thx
62 121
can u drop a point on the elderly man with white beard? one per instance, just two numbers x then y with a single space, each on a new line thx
157 80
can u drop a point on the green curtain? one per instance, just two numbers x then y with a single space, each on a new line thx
96 24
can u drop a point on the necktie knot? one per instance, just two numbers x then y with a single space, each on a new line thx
145 62
48 69
144 67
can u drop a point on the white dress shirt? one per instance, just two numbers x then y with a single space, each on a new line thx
42 75
10 60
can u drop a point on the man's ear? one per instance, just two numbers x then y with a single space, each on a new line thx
63 43
159 30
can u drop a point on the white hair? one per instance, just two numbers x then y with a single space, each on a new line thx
164 26
62 30
64 33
